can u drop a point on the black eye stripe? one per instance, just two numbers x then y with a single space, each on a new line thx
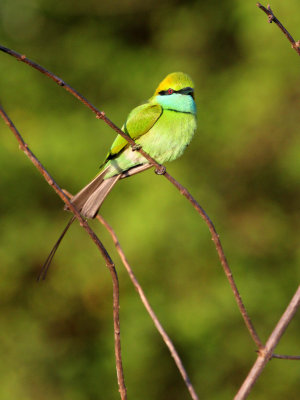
164 92
187 90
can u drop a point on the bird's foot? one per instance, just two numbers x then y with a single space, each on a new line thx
136 147
161 170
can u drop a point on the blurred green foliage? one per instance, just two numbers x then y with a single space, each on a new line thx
243 166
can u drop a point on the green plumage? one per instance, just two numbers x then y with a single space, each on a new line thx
163 126
139 121
165 141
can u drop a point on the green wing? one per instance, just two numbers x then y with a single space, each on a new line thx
139 121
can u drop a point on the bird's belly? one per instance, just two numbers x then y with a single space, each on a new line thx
168 138
165 141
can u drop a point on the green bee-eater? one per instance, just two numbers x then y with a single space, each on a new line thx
163 126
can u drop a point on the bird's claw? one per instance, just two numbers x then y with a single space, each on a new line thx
136 147
161 170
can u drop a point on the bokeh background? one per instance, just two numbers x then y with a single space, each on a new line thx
243 166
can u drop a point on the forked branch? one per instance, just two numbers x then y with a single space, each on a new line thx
150 310
266 353
147 305
108 261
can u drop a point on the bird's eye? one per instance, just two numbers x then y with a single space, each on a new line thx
170 91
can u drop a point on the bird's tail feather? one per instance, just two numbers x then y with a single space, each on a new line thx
87 202
45 267
81 197
95 200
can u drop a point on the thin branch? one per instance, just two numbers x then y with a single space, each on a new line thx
285 357
68 88
222 257
266 353
160 170
149 309
272 18
108 261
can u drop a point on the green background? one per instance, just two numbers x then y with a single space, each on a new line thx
243 166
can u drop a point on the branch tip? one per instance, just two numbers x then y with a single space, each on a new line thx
271 18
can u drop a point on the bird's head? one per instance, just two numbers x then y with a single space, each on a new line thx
176 92
177 82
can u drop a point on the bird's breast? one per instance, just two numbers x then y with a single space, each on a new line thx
169 136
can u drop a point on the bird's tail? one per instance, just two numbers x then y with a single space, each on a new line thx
87 202
90 198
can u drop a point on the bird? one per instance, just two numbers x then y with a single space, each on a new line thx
163 127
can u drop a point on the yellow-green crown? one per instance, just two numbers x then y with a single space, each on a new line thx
176 81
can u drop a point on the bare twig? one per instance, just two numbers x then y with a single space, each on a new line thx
161 170
109 263
265 354
149 309
222 257
285 357
272 18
